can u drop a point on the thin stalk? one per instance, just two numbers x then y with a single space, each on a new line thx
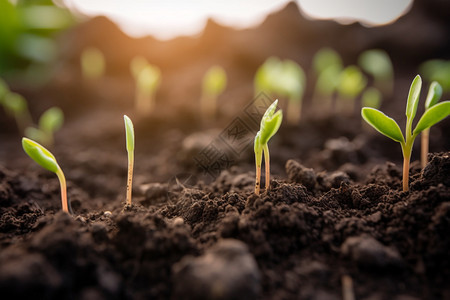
258 180
425 139
130 176
267 165
406 173
62 182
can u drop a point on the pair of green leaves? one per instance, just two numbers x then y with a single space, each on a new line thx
432 115
270 123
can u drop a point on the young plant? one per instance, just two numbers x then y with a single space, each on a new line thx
16 106
324 58
213 84
270 123
147 83
92 63
266 76
129 132
434 94
351 84
49 122
137 64
377 63
390 128
437 70
46 160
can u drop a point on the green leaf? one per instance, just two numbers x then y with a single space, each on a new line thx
413 98
51 120
377 63
434 94
15 103
214 81
149 79
129 132
40 155
324 58
432 116
351 82
270 123
382 123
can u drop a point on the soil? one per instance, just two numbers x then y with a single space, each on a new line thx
334 221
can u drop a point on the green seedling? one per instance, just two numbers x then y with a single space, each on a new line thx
326 86
137 64
4 89
387 126
92 63
46 160
434 94
266 76
351 84
377 63
270 123
147 83
16 106
129 133
371 98
49 122
437 70
325 58
213 84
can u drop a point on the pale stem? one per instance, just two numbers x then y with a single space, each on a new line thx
406 173
258 180
130 177
62 182
267 165
425 138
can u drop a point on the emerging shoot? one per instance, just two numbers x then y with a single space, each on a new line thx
377 63
16 106
49 122
148 81
434 94
214 83
390 128
92 63
270 123
46 160
325 58
129 132
351 83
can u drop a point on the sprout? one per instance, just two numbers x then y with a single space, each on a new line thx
92 63
50 122
129 132
371 98
351 84
270 123
16 106
434 94
266 75
137 64
148 81
437 70
46 160
326 86
325 58
214 83
377 63
390 128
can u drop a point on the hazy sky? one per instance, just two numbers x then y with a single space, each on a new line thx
166 19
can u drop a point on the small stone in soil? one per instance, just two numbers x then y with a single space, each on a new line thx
225 271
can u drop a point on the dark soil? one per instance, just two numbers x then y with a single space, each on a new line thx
335 217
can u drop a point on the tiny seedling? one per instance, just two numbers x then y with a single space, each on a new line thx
213 84
371 98
326 86
147 83
270 123
437 70
137 64
325 58
434 94
92 63
351 83
129 133
387 126
46 160
377 63
266 76
16 106
49 122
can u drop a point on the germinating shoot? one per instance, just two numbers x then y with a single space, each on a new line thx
46 160
213 84
148 80
17 107
49 122
270 123
92 63
129 132
390 128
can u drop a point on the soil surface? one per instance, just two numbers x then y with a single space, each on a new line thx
334 222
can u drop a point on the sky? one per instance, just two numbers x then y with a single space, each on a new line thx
171 18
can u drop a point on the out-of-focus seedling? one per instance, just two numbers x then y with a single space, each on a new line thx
270 123
213 84
137 64
325 58
434 94
147 83
371 98
351 83
49 122
129 133
390 128
377 63
92 63
16 106
46 160
265 76
4 89
437 70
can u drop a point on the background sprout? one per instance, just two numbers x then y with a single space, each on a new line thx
325 58
49 122
270 123
377 63
266 76
129 132
371 98
351 84
213 84
4 89
326 86
437 70
46 160
16 106
92 63
137 64
147 83
390 128
434 94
